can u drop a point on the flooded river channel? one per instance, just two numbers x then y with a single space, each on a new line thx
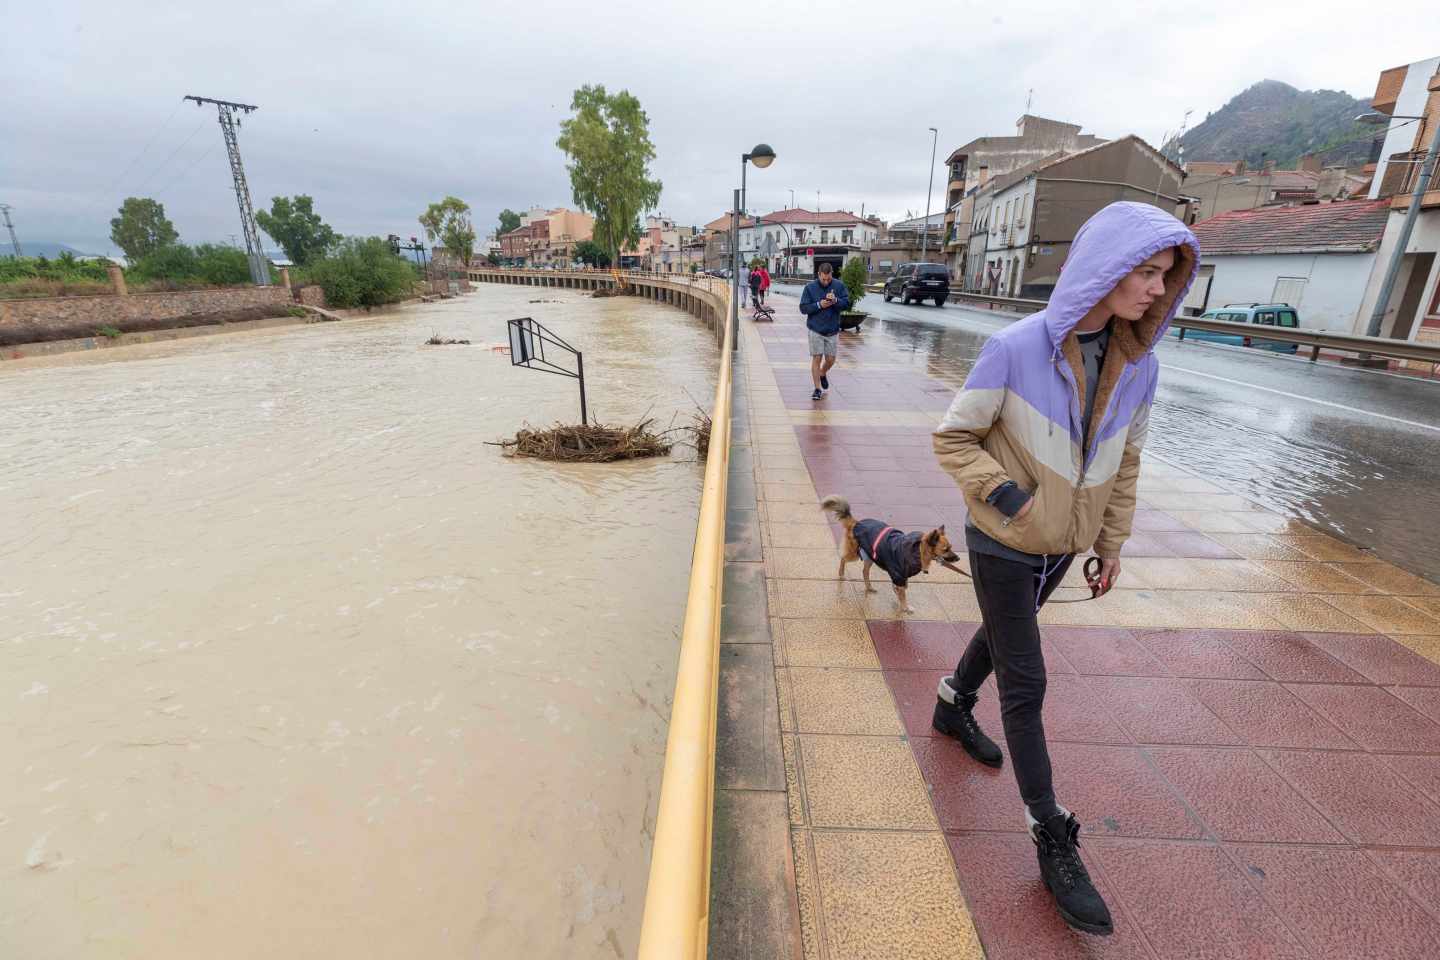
293 665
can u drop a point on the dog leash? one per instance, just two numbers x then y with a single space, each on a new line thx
1092 579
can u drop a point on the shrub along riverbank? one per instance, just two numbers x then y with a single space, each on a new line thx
355 272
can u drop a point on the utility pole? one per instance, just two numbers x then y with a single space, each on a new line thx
14 243
929 184
229 123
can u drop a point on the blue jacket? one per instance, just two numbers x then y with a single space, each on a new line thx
824 321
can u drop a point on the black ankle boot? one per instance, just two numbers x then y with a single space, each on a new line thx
954 718
1057 842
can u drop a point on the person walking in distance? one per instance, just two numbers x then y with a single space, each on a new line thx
1045 439
764 282
755 284
821 302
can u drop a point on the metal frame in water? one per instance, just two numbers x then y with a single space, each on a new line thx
528 338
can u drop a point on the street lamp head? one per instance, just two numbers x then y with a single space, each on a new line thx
1381 119
762 155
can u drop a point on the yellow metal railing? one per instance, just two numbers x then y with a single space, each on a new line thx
676 923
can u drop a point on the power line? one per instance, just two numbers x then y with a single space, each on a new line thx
166 161
143 150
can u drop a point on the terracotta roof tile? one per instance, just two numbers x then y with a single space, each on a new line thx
1343 226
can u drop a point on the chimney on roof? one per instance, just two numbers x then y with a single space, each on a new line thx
984 174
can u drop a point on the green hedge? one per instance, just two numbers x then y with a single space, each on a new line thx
361 272
208 263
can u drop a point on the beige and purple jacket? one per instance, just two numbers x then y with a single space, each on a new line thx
1019 415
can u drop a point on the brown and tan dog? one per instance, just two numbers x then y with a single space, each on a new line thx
900 554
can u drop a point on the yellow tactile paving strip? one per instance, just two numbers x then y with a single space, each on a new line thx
875 878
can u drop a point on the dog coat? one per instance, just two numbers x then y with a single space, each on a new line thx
894 551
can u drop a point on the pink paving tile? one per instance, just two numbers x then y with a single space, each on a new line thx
1160 710
1104 651
1116 792
917 644
1241 798
914 693
1378 657
1194 545
1145 544
1014 913
1340 903
1197 653
1422 771
1192 903
1360 795
1157 521
1288 656
1417 870
1371 716
1265 714
1424 699
1074 711
968 795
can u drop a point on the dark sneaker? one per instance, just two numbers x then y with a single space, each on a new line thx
1057 846
824 382
953 717
817 395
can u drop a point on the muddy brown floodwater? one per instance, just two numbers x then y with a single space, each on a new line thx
293 666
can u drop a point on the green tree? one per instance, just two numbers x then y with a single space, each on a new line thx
854 275
449 222
592 253
362 272
608 143
141 227
509 220
293 223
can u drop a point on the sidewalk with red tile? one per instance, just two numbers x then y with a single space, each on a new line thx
1248 727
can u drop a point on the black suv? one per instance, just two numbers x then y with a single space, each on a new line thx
919 281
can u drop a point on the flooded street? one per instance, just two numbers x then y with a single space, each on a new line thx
1351 452
294 665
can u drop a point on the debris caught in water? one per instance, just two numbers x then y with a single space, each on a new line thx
593 443
438 341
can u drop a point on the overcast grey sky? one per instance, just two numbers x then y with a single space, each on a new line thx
376 109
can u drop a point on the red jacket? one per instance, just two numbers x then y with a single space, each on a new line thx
764 278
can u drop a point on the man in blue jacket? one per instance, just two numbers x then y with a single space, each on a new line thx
822 301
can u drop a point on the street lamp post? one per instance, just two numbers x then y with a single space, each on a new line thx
762 156
1397 255
929 185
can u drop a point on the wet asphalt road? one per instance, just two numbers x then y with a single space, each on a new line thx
1353 452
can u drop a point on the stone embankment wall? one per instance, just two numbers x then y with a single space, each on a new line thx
114 310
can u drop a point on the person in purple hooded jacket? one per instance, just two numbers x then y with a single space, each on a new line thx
1045 438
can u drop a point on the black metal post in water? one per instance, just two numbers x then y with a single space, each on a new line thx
580 373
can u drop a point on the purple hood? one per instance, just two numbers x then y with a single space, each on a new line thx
1111 244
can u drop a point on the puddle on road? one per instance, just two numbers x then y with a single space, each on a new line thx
295 666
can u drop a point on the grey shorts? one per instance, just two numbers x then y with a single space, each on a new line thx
822 346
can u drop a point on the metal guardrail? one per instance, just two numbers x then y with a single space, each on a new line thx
998 303
676 922
1316 340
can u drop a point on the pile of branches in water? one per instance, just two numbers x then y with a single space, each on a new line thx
438 341
593 443
616 291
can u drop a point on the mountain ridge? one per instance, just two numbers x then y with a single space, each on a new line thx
1273 121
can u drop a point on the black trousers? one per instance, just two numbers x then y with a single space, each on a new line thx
1008 644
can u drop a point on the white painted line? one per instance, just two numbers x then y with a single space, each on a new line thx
1297 396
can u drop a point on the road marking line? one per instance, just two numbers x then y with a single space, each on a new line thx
1297 396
